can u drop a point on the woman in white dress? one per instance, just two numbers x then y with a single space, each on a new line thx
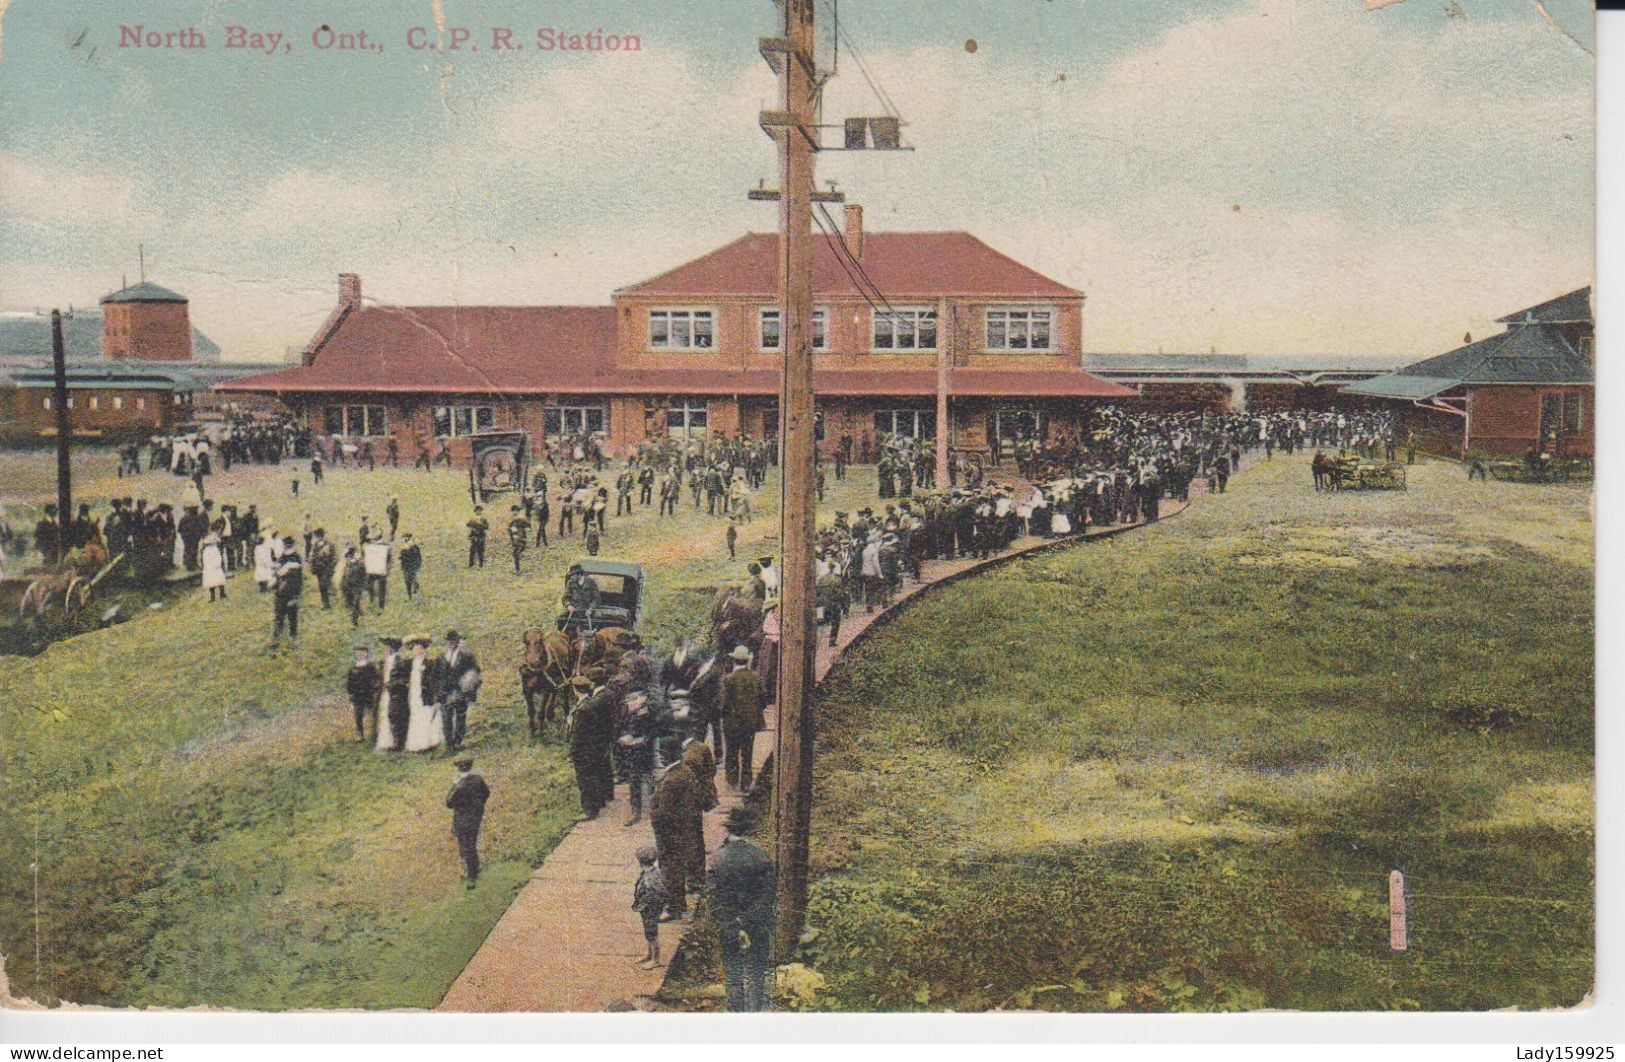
213 557
423 732
265 561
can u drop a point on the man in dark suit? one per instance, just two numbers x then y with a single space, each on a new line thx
460 684
364 685
411 564
743 887
467 803
290 584
742 703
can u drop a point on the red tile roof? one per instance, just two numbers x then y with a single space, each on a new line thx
901 264
456 349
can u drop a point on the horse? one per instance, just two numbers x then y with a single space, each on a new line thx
599 653
549 664
736 619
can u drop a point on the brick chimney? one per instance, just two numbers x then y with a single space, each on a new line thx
854 230
349 289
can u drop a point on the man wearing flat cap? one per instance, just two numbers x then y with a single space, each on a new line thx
744 886
742 702
467 803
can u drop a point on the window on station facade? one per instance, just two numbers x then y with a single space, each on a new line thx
911 423
1019 328
772 329
560 421
905 328
355 420
688 418
118 403
451 421
1560 413
682 329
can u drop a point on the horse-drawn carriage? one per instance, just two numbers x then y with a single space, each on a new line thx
1350 472
600 594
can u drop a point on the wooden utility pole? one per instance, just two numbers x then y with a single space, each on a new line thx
945 333
794 127
64 428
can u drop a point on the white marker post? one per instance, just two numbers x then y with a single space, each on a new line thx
1399 938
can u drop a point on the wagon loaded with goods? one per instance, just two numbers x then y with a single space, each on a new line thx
1352 473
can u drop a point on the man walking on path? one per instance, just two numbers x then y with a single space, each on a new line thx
742 703
467 803
743 886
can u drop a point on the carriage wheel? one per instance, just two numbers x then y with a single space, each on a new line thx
77 596
35 601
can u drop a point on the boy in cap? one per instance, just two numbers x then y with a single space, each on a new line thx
467 803
648 900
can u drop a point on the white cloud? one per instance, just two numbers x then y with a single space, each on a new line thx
302 202
33 192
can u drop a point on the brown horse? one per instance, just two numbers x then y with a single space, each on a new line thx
548 666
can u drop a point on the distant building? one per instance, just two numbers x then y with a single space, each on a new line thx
136 364
146 322
1532 386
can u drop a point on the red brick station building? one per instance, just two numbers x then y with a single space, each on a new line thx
697 350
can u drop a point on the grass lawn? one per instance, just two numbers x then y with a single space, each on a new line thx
1173 771
206 830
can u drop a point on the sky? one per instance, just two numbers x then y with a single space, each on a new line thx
1247 176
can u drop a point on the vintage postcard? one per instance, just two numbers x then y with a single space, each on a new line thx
525 506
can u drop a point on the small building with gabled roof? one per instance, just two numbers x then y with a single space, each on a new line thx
1531 387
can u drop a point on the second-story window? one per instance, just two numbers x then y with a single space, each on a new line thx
905 328
772 329
1019 329
682 329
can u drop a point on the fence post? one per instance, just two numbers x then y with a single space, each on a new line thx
1399 938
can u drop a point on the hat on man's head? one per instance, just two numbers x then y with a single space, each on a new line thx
453 636
647 856
764 561
464 764
420 638
389 640
363 647
741 653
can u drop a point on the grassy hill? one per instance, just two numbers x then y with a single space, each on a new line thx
1173 772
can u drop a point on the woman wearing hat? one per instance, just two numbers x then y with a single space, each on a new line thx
423 730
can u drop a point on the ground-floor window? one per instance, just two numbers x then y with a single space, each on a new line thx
688 418
770 421
1559 413
463 420
912 423
560 421
355 420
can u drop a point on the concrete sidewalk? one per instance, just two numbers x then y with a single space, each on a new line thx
570 941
